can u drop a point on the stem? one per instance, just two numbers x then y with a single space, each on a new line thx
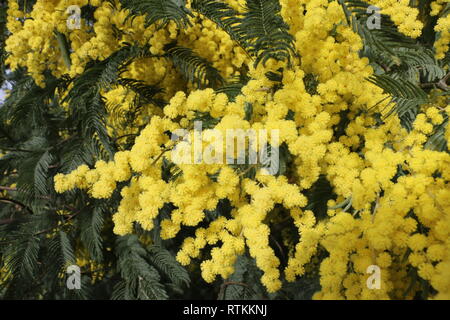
278 246
15 150
6 221
442 84
248 169
58 227
15 202
7 188
64 47
125 136
160 155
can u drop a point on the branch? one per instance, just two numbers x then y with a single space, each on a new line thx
2 188
160 155
15 150
58 227
15 202
278 246
253 166
7 221
442 84
125 136
385 67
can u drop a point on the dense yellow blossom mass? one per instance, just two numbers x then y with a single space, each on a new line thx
396 194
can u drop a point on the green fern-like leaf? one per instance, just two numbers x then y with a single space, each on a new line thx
165 262
142 280
417 65
437 140
147 93
223 15
87 106
266 35
22 256
380 44
232 90
406 97
67 252
234 86
91 223
194 68
33 178
234 287
159 12
120 291
41 177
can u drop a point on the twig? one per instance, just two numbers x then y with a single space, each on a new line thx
58 226
7 221
125 136
7 188
385 67
442 84
248 169
160 155
15 202
263 89
278 246
15 150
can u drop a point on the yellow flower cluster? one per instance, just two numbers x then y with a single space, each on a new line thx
384 225
442 43
33 43
437 6
442 26
392 205
404 16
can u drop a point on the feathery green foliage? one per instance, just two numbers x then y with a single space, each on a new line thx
406 97
259 30
159 12
194 68
266 34
223 15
